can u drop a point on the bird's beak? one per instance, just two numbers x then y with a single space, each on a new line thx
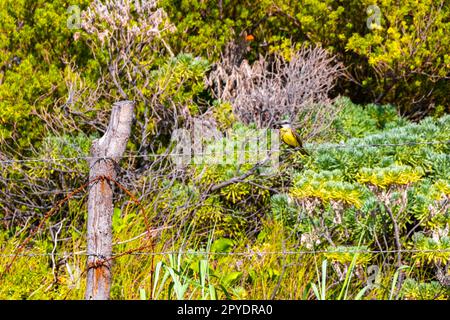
276 125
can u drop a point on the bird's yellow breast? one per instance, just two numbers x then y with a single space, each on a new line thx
288 137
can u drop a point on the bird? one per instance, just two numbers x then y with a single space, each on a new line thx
290 136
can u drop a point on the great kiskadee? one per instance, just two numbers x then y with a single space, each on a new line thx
289 136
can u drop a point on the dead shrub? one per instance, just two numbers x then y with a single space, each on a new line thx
274 88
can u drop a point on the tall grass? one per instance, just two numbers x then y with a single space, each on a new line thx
192 271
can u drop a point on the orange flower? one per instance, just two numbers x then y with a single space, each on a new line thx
250 37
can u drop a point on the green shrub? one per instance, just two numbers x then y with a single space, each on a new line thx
400 60
357 121
35 47
414 290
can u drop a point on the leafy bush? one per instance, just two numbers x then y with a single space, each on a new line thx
365 152
414 290
326 186
35 47
407 53
356 121
396 51
372 184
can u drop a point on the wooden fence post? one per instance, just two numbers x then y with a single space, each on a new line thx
105 154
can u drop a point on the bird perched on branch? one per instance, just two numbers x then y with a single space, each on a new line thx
290 136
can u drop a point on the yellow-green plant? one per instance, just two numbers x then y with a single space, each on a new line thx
345 255
385 177
414 290
430 251
326 186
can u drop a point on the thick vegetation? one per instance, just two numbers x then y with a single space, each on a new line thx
365 215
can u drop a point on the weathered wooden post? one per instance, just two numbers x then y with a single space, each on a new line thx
105 154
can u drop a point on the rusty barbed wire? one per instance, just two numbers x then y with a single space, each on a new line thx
148 248
102 260
52 211
135 251
156 155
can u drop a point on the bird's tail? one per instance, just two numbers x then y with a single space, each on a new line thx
302 151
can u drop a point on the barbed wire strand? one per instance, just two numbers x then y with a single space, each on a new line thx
231 253
139 250
46 216
156 155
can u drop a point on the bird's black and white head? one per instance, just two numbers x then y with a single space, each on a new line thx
285 124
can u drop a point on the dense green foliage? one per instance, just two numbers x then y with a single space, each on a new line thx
338 201
36 47
374 181
399 59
